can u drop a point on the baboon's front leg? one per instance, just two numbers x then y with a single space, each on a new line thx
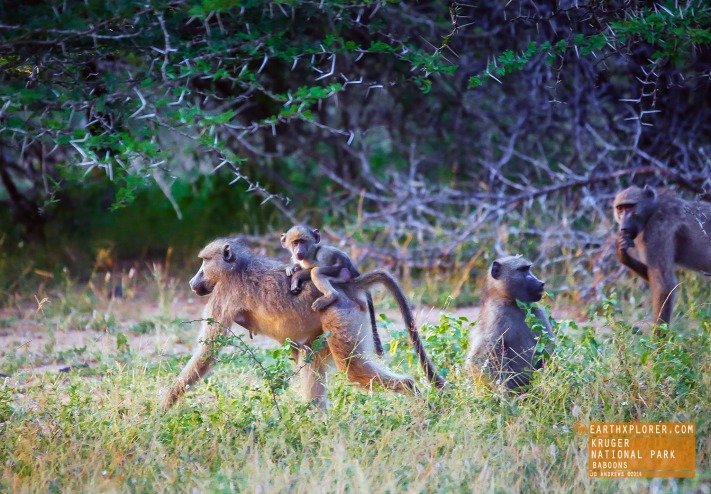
203 358
625 242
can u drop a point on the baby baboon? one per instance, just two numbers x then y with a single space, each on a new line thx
253 291
501 345
665 230
323 264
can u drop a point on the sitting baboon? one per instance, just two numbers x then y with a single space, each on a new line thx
323 265
253 291
665 230
501 345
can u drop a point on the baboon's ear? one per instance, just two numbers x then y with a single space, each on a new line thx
496 270
316 234
649 192
227 253
283 240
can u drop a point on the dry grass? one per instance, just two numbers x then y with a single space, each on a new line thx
97 427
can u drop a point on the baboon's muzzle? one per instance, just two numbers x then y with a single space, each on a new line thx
631 231
198 285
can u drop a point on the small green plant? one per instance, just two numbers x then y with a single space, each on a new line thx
545 343
143 327
5 404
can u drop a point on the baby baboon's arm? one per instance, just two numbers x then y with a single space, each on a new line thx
297 278
290 270
333 272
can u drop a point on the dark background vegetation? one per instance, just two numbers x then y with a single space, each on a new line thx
426 135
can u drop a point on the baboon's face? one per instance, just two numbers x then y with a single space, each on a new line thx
216 261
199 284
513 277
633 207
300 240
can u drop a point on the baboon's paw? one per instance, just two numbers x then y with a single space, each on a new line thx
167 398
323 302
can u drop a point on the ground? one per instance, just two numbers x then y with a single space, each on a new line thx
83 372
33 337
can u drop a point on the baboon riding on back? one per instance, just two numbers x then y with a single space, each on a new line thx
253 291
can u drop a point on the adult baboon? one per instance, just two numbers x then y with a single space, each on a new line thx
501 345
324 265
253 291
665 230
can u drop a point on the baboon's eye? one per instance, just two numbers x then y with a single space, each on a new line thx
524 269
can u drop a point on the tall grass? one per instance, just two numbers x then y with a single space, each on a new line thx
99 428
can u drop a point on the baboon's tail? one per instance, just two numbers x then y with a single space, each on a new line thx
374 327
384 278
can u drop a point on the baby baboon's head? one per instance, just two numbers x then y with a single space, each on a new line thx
511 278
219 257
300 240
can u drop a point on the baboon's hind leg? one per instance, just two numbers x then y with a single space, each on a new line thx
323 284
663 284
351 356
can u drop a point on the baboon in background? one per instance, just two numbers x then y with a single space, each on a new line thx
501 345
322 264
665 230
253 291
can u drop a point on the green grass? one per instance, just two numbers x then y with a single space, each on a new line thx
99 428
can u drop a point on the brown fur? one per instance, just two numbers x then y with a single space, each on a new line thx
664 230
323 265
253 291
501 345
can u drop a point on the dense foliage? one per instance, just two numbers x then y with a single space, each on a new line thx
429 119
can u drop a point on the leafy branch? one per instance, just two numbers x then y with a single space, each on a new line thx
276 371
